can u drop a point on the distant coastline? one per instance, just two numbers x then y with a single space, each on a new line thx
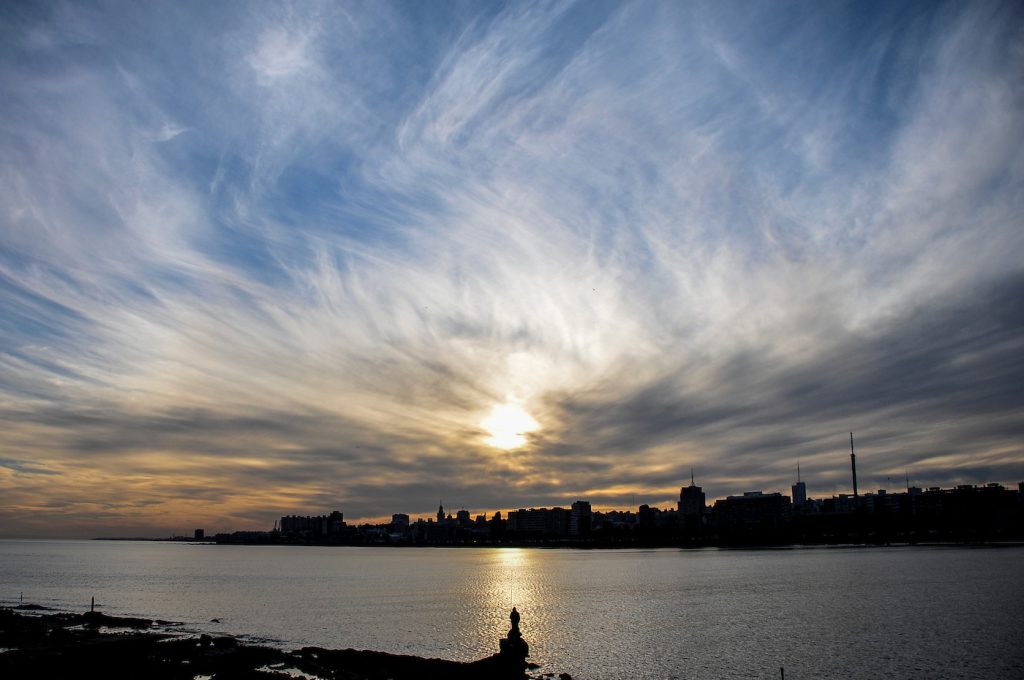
584 546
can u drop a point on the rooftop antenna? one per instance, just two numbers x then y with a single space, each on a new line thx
907 473
853 466
797 470
691 477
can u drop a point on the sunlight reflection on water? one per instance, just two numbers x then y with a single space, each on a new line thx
890 613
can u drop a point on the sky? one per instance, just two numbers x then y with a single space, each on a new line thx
261 258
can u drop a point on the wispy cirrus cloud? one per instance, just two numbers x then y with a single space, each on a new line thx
292 263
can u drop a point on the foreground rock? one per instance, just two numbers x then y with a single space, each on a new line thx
84 646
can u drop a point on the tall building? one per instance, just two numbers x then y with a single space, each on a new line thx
440 513
799 494
799 490
692 504
580 519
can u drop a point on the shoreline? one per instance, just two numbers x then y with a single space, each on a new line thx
36 641
556 545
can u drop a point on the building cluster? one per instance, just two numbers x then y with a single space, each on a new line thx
319 526
966 513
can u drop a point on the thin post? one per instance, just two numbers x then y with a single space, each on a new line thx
782 672
92 607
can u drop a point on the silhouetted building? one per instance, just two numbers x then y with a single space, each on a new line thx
692 509
399 522
799 490
754 517
496 527
799 494
968 513
200 534
540 522
645 517
313 527
580 519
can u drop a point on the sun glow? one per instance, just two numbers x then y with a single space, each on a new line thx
508 425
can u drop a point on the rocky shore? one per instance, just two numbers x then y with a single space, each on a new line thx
45 644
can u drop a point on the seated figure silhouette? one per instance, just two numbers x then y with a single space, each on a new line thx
514 648
514 633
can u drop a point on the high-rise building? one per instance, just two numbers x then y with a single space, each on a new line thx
692 504
580 519
799 489
799 494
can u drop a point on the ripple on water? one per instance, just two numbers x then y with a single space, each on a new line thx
880 613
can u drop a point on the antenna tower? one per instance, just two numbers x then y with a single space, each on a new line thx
853 466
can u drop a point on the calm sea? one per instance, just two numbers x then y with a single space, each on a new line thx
819 612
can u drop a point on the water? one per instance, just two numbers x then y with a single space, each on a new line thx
819 612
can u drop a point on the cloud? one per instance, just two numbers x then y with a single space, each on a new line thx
168 132
295 262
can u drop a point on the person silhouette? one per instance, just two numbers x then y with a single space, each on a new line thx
514 616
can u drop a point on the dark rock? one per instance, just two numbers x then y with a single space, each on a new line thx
225 643
58 646
93 618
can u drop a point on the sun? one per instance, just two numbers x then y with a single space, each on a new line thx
508 424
